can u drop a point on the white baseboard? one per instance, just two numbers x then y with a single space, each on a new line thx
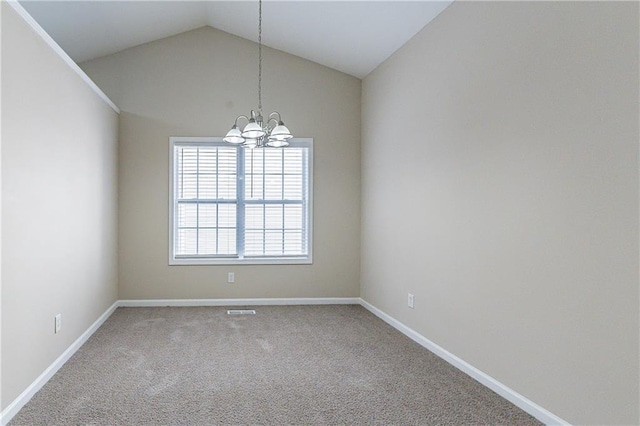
507 393
241 302
13 408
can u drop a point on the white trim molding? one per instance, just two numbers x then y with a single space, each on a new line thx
63 55
507 393
240 302
13 408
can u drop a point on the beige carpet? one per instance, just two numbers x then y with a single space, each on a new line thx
284 365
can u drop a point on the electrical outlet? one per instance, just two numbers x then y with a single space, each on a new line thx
58 323
410 301
231 277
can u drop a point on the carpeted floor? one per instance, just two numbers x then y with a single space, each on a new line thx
285 365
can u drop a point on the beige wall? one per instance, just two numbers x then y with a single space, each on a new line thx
195 84
500 186
59 215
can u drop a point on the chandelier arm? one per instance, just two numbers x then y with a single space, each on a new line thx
239 117
273 119
275 113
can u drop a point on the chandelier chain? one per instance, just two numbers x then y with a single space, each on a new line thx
260 56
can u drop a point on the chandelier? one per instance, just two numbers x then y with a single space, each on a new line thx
259 133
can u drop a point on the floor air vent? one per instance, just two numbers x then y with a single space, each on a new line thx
241 312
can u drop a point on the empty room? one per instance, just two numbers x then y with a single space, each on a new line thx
320 213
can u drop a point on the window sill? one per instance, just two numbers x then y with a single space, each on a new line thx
233 261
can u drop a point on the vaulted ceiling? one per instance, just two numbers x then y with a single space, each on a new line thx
350 36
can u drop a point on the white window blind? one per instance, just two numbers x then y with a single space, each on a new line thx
275 196
231 204
206 200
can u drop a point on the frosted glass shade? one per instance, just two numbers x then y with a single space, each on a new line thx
253 130
277 143
234 136
250 143
280 132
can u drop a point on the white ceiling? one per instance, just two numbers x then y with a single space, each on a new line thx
350 36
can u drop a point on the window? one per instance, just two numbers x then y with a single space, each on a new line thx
235 205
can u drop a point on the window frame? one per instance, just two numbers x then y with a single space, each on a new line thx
234 259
